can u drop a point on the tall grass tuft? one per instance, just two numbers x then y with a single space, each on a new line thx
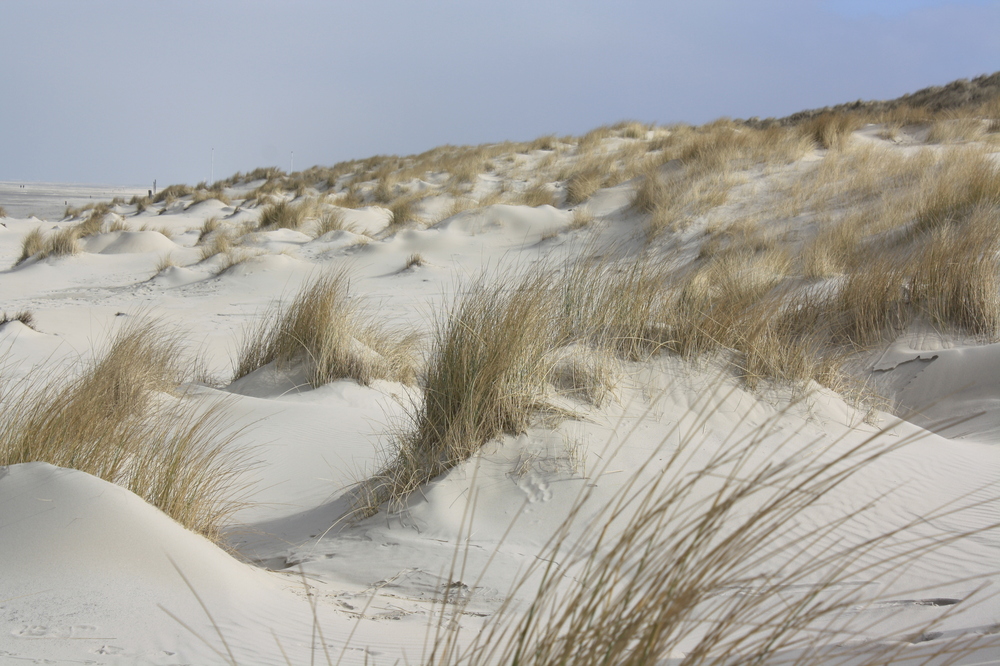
121 419
62 242
330 220
285 215
24 316
832 130
402 211
963 180
325 330
955 278
489 362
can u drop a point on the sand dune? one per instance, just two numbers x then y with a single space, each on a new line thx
94 574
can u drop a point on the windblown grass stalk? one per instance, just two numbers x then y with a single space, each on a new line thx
684 561
122 420
324 329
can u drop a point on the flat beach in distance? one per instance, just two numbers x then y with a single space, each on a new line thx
48 201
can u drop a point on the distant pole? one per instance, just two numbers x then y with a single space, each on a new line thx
212 179
291 163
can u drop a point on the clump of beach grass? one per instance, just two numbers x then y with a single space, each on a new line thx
209 226
582 218
121 418
171 193
218 241
203 194
539 194
37 243
166 261
331 219
285 215
832 130
486 374
24 316
954 130
403 211
582 184
324 329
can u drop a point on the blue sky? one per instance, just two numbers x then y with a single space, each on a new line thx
125 92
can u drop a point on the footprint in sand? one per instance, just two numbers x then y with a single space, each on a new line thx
42 631
536 488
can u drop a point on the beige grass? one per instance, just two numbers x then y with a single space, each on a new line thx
539 194
403 211
619 306
460 205
324 329
832 130
140 203
202 194
832 251
673 200
487 373
956 130
118 420
117 223
956 275
547 142
38 244
960 182
234 256
585 373
165 262
209 226
582 218
331 219
171 193
24 316
582 184
32 244
218 241
686 559
286 215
